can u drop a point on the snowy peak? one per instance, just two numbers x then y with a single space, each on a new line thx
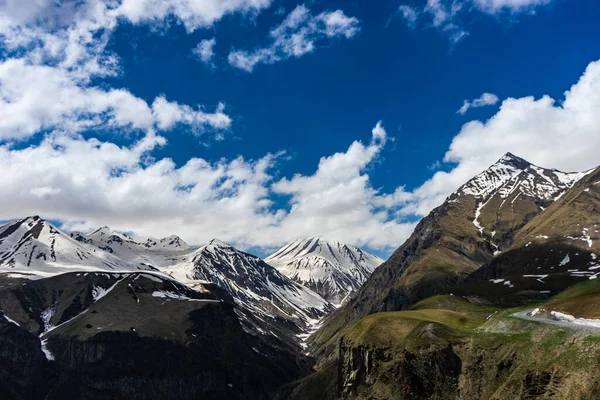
508 195
511 173
252 283
108 236
511 159
217 243
332 269
113 239
172 242
33 245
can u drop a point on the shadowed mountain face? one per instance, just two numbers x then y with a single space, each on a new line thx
133 336
473 226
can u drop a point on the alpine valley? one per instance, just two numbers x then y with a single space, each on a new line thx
493 296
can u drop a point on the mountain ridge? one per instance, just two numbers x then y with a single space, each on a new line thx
330 268
449 244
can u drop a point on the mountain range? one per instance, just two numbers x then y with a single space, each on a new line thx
486 299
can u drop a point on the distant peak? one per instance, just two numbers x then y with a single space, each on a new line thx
34 218
516 161
313 239
218 243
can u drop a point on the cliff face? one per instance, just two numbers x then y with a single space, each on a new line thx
450 349
466 372
427 373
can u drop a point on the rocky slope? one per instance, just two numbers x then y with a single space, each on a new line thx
556 249
252 283
132 336
332 269
473 226
450 348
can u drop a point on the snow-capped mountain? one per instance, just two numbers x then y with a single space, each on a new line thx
510 193
332 269
514 216
251 282
109 237
152 252
34 246
512 176
172 242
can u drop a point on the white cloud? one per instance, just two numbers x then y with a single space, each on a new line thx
205 52
53 51
338 201
35 98
193 14
299 33
236 199
486 99
231 199
446 15
94 183
563 135
410 14
496 6
167 114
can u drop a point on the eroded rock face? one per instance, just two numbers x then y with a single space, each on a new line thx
460 371
427 373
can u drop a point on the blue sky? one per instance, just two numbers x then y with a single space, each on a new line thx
97 148
413 80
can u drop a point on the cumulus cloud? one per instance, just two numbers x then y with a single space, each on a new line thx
496 6
446 15
299 33
240 200
550 133
122 186
204 51
36 98
54 52
339 201
486 99
192 14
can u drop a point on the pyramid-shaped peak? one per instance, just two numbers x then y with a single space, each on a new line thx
218 243
105 230
513 160
174 242
33 219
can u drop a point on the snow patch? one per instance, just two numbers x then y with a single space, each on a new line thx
47 352
565 261
576 321
12 321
